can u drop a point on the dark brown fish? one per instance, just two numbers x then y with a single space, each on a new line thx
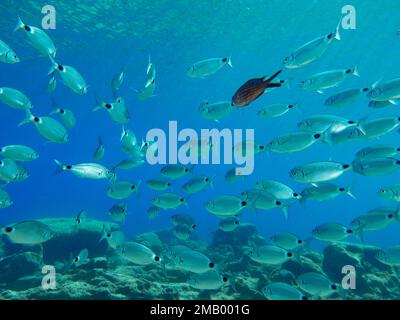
253 89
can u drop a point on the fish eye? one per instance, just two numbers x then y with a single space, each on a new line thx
186 170
317 136
349 231
69 167
290 106
348 71
341 189
398 149
365 90
76 259
133 187
390 216
330 36
398 162
181 199
188 232
224 279
194 226
211 265
108 106
346 166
156 258
334 287
62 111
36 119
207 179
168 184
8 229
300 241
289 254
278 203
244 203
27 28
261 147
351 122
60 67
296 195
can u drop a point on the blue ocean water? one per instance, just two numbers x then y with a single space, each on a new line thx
98 37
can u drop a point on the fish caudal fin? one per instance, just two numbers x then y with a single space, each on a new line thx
54 66
20 25
28 118
355 72
98 104
60 167
103 234
229 63
273 77
337 33
350 193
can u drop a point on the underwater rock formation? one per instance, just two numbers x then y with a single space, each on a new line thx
108 276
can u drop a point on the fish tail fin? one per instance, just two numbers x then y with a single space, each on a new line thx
212 180
327 137
229 63
59 168
103 234
350 192
112 175
122 132
84 255
28 118
267 81
355 72
20 25
98 104
337 33
360 125
285 211
54 66
296 106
